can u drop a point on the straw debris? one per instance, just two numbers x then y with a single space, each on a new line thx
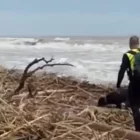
61 108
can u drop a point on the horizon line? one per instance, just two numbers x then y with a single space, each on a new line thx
42 36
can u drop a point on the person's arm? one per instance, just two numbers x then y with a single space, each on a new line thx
123 68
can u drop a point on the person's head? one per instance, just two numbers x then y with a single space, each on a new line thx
101 102
134 42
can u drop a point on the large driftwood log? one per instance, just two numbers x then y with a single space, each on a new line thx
28 73
125 133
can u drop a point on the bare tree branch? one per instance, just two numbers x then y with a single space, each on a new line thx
32 63
27 74
49 65
48 61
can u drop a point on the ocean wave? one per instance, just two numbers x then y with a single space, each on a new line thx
61 39
32 43
93 61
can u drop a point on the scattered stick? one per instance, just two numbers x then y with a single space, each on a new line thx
26 124
70 131
88 112
1 100
90 94
39 93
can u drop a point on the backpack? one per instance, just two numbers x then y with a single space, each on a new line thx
136 68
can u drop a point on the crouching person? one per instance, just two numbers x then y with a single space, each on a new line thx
115 98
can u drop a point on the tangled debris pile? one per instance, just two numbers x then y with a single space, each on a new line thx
58 108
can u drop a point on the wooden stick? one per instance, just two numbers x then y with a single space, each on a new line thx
70 131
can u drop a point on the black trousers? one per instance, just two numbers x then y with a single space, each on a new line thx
136 117
134 100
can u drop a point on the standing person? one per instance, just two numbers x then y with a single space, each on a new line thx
131 64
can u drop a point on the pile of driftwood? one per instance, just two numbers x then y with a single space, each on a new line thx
47 107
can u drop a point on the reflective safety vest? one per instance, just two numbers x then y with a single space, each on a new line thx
130 56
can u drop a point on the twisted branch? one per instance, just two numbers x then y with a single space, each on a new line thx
27 74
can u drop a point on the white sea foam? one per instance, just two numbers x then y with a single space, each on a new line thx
62 39
95 62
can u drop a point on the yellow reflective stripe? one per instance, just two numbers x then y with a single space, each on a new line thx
131 60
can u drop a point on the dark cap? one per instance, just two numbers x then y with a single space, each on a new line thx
134 40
